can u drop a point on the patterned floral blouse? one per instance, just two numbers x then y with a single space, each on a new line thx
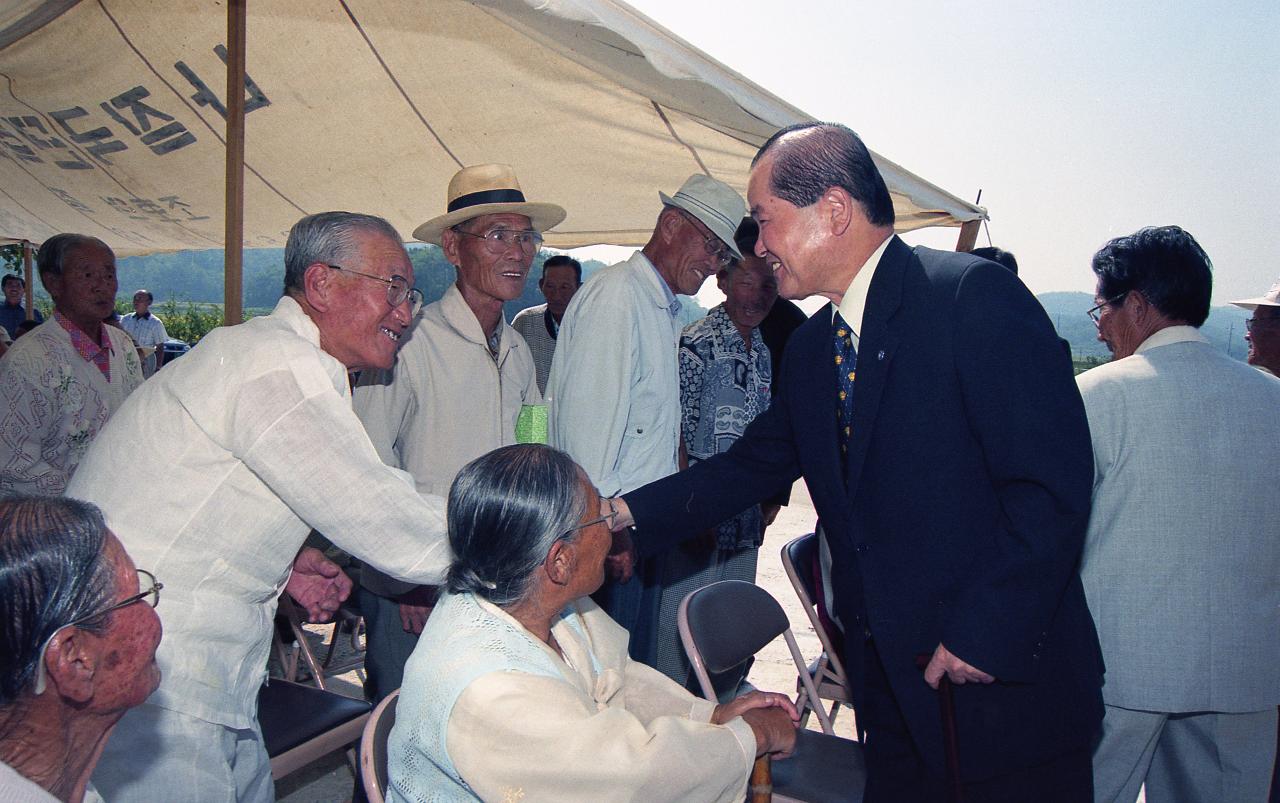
723 386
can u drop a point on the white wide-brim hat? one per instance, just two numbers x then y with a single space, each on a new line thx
1270 299
717 205
488 189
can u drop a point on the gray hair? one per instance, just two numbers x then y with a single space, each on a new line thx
53 252
52 571
327 238
506 510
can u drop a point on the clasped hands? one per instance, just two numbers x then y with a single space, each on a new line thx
772 717
317 584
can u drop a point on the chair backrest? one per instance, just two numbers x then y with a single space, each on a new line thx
725 624
800 562
373 748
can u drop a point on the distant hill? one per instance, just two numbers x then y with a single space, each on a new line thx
1068 312
197 276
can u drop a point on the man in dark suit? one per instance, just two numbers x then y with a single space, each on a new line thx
933 415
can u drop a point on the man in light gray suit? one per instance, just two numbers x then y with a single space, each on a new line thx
1182 557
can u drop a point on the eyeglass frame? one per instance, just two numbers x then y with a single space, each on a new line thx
411 293
1249 323
1095 312
497 245
608 517
714 246
156 587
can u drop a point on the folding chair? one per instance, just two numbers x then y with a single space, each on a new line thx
723 625
290 656
301 724
373 748
800 560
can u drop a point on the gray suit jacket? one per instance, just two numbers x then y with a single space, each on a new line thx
1181 564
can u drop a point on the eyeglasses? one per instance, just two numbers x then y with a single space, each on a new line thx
497 241
608 517
716 248
148 587
1253 323
398 289
1095 313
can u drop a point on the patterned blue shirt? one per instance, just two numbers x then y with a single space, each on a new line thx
723 386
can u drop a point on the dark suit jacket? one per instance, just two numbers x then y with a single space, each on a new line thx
963 514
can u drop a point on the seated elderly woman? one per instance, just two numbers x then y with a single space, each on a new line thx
78 640
521 688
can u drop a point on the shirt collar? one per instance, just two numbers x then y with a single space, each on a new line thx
669 301
1169 335
854 301
84 344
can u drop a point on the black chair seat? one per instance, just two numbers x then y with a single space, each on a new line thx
291 714
823 768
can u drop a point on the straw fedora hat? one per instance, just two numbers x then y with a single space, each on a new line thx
488 189
1270 299
716 204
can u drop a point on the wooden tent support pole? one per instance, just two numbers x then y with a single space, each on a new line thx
968 235
27 277
233 240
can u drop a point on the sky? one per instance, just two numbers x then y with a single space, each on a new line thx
1078 121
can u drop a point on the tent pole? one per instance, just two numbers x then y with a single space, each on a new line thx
31 287
233 240
968 235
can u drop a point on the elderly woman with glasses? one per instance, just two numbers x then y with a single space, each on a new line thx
520 688
78 640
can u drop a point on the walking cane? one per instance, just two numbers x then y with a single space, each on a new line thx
950 744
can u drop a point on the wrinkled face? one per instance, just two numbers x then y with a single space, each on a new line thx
1264 339
790 237
1116 326
485 273
693 256
367 332
591 544
13 291
749 292
558 285
127 671
141 303
85 291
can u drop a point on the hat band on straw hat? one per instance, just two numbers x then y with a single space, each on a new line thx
486 197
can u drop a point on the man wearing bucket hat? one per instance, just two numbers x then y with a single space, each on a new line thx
614 390
1262 331
443 404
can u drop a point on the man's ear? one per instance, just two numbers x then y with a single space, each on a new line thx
449 243
838 209
669 222
319 282
52 285
559 562
722 280
70 664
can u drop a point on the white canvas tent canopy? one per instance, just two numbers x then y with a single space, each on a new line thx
113 116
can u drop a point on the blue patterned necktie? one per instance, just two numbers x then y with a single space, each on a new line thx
846 358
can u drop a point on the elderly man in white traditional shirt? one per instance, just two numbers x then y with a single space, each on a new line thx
61 382
253 437
147 331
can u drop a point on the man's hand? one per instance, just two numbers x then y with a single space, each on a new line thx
621 560
959 672
770 512
317 584
415 607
